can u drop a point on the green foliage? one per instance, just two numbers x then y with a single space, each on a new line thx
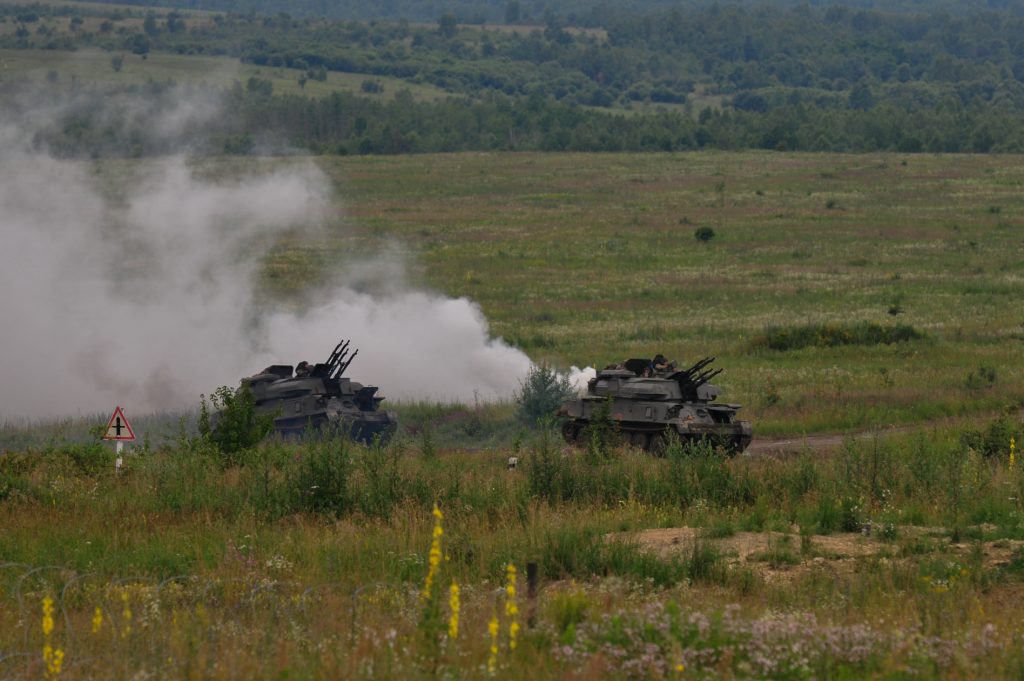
317 477
704 234
568 610
994 439
428 449
543 467
832 335
582 555
235 427
96 458
984 377
541 393
382 484
601 433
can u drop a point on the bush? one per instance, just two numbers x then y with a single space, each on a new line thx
235 427
994 440
543 468
832 335
704 234
318 477
541 393
602 436
984 377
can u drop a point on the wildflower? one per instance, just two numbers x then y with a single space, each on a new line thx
492 629
680 668
126 615
434 558
453 602
97 620
1013 448
52 657
511 607
47 616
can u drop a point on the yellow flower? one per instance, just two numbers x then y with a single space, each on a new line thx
453 602
97 620
680 668
511 607
492 629
47 616
434 557
54 660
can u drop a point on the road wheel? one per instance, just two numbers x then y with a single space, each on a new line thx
658 444
570 431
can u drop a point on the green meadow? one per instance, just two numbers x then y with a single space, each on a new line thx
842 294
95 67
589 259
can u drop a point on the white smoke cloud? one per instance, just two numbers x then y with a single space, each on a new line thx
142 296
579 378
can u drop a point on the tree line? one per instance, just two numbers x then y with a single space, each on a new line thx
829 76
255 120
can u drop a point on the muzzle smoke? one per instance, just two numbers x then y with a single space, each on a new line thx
132 284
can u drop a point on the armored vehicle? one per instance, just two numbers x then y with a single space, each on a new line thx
649 399
318 396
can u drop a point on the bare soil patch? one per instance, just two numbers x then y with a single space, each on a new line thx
779 556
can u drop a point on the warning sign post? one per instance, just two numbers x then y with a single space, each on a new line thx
120 431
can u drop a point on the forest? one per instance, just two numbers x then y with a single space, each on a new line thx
784 76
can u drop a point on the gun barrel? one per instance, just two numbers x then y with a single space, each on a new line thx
344 366
336 354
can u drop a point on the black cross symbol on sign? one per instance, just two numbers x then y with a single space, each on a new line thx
118 426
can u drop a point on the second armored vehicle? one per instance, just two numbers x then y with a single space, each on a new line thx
319 396
648 400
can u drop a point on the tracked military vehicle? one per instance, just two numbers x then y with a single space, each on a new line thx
317 397
649 400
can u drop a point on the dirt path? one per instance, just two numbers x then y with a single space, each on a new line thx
784 556
829 441
819 443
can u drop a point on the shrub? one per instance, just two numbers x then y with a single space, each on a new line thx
543 468
832 335
602 437
318 477
235 427
704 234
541 393
994 440
984 377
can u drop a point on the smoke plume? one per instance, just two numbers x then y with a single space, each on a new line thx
132 284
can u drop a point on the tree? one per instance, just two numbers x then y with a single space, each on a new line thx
447 26
861 97
236 426
541 393
117 62
149 24
139 44
512 12
175 23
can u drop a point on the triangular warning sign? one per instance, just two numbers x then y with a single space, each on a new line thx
118 428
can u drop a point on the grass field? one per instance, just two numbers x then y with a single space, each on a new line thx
892 556
94 66
587 259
